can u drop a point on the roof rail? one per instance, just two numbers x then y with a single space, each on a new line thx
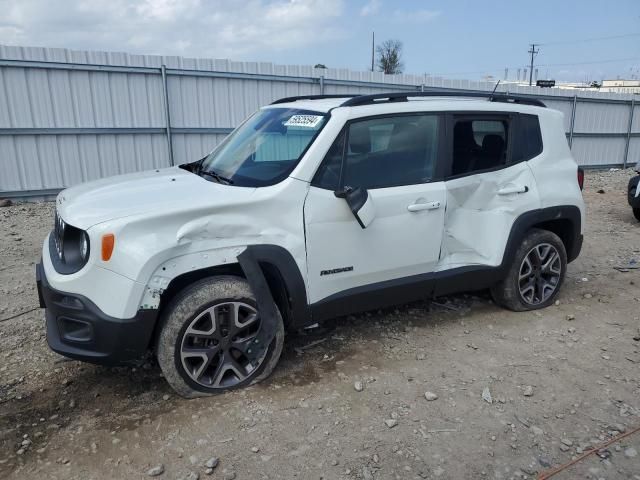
404 96
312 97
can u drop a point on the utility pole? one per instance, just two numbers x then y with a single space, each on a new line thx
373 48
533 52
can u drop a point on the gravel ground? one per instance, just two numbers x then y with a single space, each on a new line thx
510 394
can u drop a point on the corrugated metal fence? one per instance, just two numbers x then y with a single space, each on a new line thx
71 116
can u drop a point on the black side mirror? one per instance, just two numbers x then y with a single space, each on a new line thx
359 202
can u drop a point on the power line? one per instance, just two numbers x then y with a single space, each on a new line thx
593 39
617 60
497 69
567 42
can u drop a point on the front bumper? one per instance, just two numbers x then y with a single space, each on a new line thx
634 200
78 329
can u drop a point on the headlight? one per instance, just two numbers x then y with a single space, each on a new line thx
68 247
84 246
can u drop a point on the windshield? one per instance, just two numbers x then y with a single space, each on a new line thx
264 149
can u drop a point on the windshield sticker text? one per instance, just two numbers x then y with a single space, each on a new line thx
307 121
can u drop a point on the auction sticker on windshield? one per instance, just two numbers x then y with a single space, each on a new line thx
307 121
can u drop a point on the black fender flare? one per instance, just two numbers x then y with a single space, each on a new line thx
250 261
531 219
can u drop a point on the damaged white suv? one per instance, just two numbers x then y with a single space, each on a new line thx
314 207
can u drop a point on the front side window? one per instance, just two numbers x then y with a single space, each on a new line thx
479 144
382 152
264 149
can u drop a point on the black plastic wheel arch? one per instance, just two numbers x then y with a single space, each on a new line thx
250 261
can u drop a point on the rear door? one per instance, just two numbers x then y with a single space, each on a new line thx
488 184
396 159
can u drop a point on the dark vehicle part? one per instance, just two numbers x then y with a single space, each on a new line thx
68 247
535 275
210 338
78 329
633 197
357 99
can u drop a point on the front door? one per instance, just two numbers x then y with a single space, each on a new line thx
396 159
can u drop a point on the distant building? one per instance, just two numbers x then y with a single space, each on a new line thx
621 86
551 83
611 86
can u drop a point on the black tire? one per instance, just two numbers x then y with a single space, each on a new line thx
508 292
212 303
636 213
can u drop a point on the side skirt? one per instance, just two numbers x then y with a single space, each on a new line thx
405 290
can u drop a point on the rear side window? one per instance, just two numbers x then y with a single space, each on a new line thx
527 139
382 152
479 144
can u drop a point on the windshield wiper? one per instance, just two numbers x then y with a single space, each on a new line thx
216 176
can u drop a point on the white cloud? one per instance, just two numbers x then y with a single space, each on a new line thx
165 9
198 28
418 16
371 8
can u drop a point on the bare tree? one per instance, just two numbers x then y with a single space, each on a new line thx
389 55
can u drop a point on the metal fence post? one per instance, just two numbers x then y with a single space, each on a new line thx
167 115
573 120
321 84
626 147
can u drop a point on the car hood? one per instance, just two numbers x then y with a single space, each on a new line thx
167 189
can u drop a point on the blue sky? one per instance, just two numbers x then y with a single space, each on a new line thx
455 38
484 37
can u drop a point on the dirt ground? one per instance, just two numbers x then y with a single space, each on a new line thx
561 381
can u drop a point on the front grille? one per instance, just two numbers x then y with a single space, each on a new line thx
58 236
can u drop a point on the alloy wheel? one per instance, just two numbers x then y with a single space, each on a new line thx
540 274
213 346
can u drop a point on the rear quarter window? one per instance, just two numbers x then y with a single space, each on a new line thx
528 138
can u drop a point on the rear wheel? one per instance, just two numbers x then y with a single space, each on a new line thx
636 213
536 274
209 339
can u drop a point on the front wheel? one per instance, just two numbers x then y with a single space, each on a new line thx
209 338
536 274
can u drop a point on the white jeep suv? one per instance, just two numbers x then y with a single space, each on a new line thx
314 207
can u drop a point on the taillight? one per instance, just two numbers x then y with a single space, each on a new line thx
581 178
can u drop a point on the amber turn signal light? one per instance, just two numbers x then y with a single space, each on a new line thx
108 242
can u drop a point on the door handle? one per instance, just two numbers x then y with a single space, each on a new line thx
417 207
513 189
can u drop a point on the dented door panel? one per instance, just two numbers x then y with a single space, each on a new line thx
480 211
